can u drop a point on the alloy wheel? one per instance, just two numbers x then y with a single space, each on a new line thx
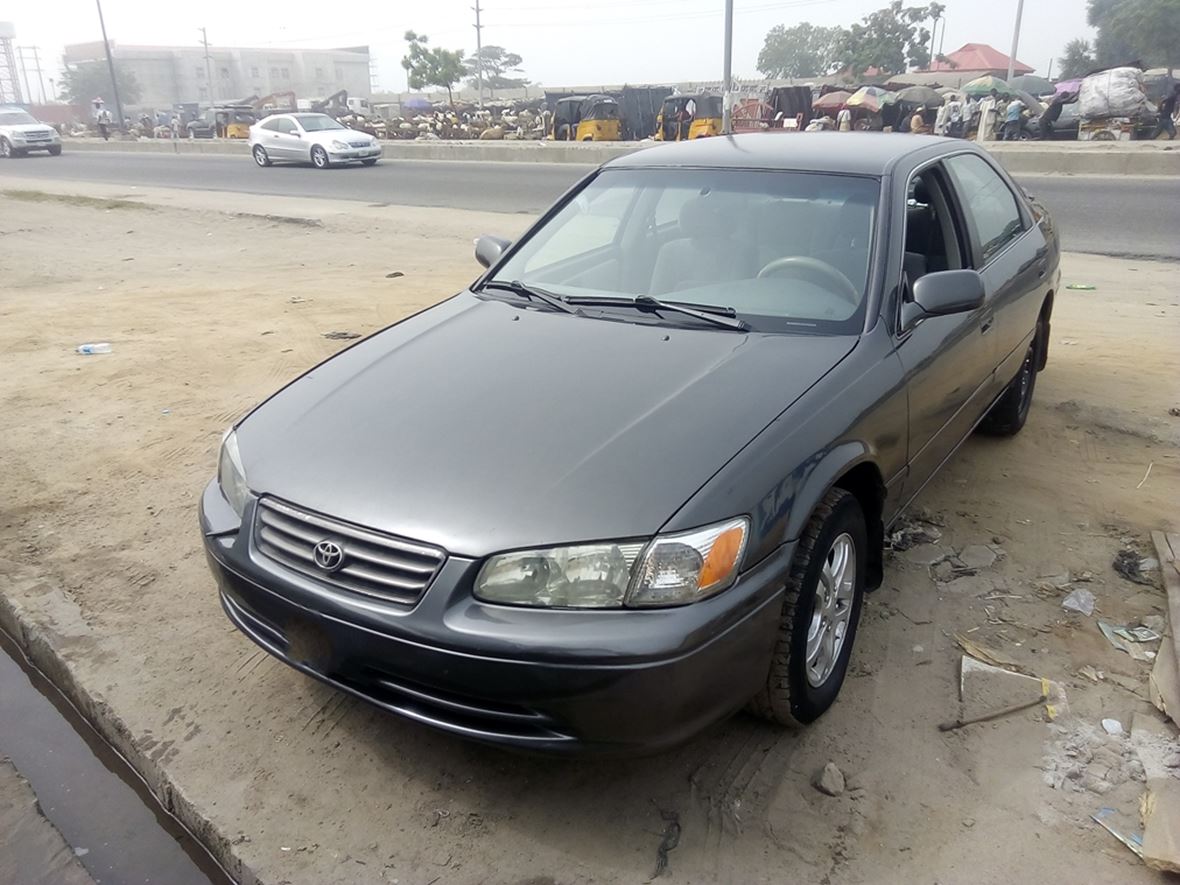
832 610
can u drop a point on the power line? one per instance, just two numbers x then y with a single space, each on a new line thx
701 14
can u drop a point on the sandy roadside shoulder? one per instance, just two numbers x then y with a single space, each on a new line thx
287 780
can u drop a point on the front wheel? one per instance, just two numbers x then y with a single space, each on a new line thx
1007 416
6 150
319 157
55 151
821 610
260 155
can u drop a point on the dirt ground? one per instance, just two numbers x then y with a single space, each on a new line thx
103 459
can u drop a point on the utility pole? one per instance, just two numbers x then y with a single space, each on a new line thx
40 79
479 54
727 73
933 31
110 66
1015 38
208 64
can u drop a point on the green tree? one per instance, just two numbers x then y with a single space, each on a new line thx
1077 59
432 65
1129 30
889 39
805 50
82 83
496 63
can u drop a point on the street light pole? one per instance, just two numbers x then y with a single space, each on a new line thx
110 66
1015 38
479 55
727 73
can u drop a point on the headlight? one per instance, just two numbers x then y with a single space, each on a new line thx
339 146
690 566
230 475
670 570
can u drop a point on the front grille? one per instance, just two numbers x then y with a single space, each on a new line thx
374 564
38 136
359 144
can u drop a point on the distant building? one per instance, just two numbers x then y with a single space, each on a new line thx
978 59
169 75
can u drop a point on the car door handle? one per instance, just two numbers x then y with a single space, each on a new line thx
986 325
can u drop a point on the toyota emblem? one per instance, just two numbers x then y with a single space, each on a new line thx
328 555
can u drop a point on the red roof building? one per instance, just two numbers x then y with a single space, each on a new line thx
980 58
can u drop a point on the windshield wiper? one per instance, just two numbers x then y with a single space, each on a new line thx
532 292
726 317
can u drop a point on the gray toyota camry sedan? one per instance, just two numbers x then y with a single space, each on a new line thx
638 475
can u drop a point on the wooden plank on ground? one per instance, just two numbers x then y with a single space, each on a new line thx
1167 551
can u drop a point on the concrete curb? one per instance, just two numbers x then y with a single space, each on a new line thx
38 646
1138 158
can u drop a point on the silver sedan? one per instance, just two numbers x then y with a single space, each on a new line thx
310 138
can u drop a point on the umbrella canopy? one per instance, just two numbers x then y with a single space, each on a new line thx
985 84
1033 104
871 98
1069 86
832 100
920 95
1032 85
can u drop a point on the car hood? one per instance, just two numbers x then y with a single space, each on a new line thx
327 136
484 426
29 128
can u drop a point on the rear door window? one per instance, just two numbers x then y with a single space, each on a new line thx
989 204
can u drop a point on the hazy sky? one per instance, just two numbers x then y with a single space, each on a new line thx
563 42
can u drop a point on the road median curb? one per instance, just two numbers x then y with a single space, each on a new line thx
1139 158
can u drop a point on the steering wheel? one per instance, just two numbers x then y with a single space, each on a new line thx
806 267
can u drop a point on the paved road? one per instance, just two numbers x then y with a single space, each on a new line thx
1113 216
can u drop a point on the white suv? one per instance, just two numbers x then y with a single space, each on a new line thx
20 133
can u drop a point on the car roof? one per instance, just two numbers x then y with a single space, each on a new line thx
856 153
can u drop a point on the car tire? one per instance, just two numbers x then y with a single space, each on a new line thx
1007 415
801 684
55 151
370 162
319 157
6 150
260 155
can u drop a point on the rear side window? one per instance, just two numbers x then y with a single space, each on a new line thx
988 202
272 125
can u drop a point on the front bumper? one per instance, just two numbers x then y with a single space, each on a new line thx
354 154
557 681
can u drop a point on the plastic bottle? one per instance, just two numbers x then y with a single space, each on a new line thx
102 347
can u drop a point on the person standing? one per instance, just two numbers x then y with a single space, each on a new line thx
987 116
1012 120
1167 112
104 124
174 124
954 115
844 120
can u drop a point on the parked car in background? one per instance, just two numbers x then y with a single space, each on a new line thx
21 133
310 138
639 475
1064 127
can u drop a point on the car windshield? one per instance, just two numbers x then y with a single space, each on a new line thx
317 122
788 251
15 118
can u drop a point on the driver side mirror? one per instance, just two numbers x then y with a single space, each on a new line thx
488 249
942 293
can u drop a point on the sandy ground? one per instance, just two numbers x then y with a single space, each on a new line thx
103 458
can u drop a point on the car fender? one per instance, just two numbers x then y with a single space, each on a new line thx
834 464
